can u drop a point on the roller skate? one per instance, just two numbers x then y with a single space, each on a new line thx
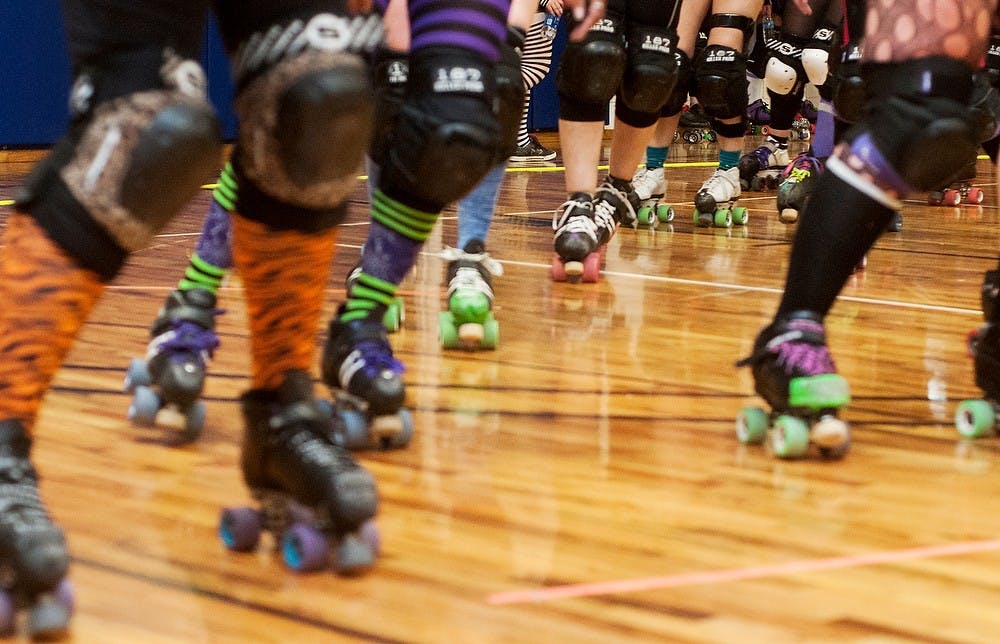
761 169
978 418
694 127
715 202
367 382
758 118
794 373
33 554
172 376
650 185
797 181
311 495
577 241
469 323
617 203
395 313
959 192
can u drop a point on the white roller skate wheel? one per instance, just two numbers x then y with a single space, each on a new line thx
470 333
573 268
829 432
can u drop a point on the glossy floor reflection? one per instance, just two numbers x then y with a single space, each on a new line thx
583 482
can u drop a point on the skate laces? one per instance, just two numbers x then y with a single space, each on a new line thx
468 278
184 337
801 167
612 202
18 488
372 358
799 349
763 154
483 259
574 217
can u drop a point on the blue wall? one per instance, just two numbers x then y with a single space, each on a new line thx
35 76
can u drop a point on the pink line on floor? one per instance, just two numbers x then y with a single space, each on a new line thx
738 574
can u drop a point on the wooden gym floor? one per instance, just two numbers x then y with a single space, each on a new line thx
583 482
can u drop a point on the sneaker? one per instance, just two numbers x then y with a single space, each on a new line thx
534 151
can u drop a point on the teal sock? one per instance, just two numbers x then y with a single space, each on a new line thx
655 157
728 159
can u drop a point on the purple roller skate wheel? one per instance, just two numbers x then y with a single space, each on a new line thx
304 548
239 528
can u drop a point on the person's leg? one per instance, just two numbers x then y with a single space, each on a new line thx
722 90
588 76
294 107
913 134
536 59
86 206
182 336
445 139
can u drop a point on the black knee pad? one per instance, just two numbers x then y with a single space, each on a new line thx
305 124
849 92
919 118
390 71
721 81
985 105
684 86
447 136
510 92
730 130
590 71
143 138
915 134
651 72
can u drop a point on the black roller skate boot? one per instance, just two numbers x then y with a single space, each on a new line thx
469 323
797 181
978 418
616 203
367 383
577 241
172 376
311 494
33 554
794 373
761 169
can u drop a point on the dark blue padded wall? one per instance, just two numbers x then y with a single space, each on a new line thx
35 74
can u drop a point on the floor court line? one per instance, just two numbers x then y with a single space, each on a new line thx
801 566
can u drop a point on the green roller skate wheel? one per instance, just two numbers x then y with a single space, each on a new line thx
646 216
447 331
975 418
740 216
789 438
665 213
751 425
491 334
723 218
394 315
